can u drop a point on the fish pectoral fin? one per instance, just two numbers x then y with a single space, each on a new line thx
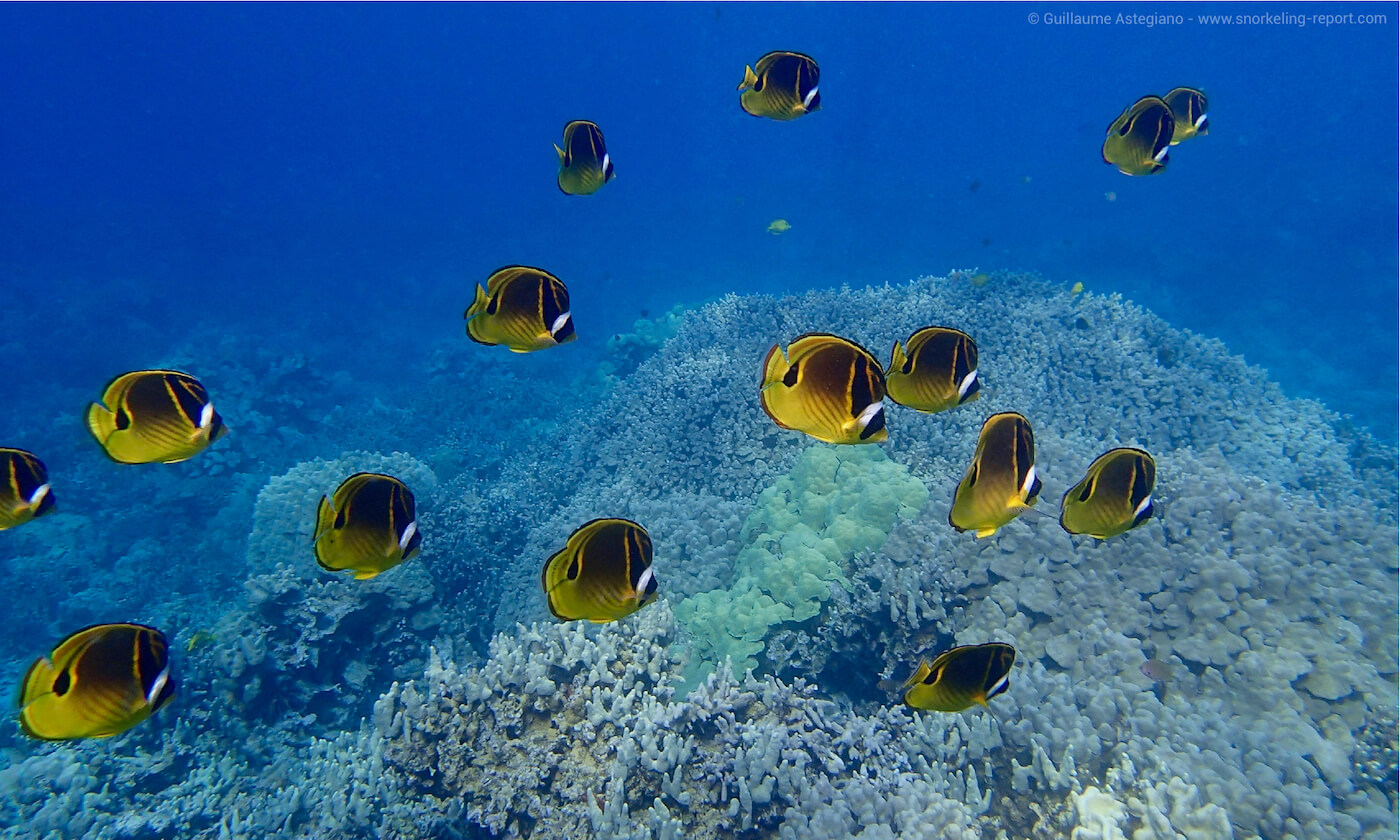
985 532
749 79
365 574
560 152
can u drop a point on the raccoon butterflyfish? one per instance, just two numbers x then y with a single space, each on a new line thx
523 308
827 387
367 526
584 163
1188 113
1001 482
1137 141
781 86
935 370
24 488
778 227
154 416
602 573
1113 497
99 681
958 678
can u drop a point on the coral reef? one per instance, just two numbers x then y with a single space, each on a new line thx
1264 593
570 732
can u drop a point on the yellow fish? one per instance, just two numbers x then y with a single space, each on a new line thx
154 416
523 308
97 682
959 678
602 573
368 526
782 86
936 373
1188 107
1077 288
778 227
1138 139
24 488
827 387
584 163
1001 482
979 280
1113 497
199 639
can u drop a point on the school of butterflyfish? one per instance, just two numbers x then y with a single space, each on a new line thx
102 680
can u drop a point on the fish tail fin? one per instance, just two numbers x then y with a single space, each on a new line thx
101 422
750 78
38 680
479 301
897 358
325 515
775 364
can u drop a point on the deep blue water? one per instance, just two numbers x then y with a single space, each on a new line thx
336 178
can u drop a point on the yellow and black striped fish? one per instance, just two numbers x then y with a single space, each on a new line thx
937 372
1001 482
24 488
828 387
523 308
368 526
584 163
99 681
1113 497
961 677
1188 113
154 416
602 573
782 86
1137 141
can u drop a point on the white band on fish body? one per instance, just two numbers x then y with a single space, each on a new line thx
864 418
966 383
1028 483
408 534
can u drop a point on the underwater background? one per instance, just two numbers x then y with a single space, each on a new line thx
294 203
